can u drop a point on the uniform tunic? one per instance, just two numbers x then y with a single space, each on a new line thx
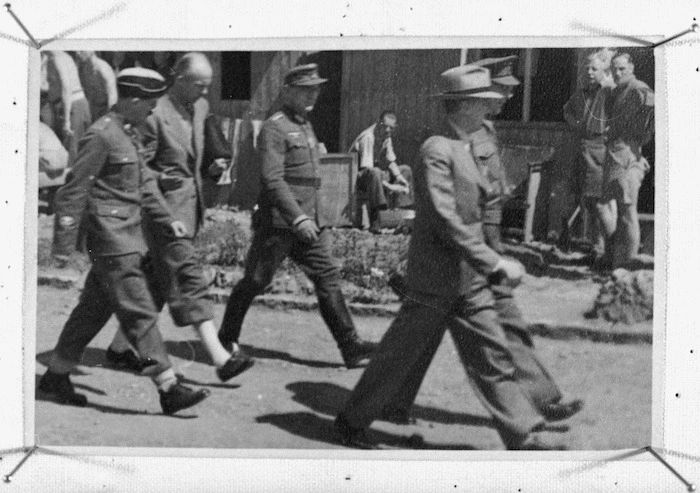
289 194
104 200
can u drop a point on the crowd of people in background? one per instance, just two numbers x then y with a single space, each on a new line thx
134 203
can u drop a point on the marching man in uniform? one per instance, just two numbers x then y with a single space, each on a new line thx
104 201
288 223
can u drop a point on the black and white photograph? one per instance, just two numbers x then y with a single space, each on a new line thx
405 249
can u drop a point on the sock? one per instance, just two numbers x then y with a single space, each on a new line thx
166 380
210 338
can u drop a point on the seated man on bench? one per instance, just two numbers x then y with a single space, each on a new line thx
380 180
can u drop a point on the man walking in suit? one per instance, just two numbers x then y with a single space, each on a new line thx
529 370
448 267
175 136
287 222
104 201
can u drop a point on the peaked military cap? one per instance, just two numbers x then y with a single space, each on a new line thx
467 81
303 75
501 69
138 82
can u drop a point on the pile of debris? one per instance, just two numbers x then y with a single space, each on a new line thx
627 297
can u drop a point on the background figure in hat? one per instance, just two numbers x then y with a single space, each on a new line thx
104 201
630 110
448 266
99 82
174 136
529 371
287 222
378 174
585 112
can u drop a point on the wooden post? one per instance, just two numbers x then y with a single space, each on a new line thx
527 87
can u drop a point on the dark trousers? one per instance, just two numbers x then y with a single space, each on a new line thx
413 338
369 183
115 284
267 251
178 278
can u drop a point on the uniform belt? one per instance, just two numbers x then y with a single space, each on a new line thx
303 181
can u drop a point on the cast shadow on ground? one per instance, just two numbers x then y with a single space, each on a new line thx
41 396
96 358
328 398
321 429
192 350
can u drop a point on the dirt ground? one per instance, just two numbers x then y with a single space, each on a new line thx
289 399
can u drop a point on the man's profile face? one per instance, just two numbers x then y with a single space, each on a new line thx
195 85
387 126
302 99
496 105
622 70
138 110
596 72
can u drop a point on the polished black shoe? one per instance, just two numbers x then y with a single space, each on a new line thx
124 360
236 364
397 416
357 353
350 436
180 397
536 441
60 388
561 410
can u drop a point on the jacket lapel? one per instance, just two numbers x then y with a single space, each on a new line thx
176 120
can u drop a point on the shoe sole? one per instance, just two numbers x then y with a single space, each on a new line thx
202 395
244 367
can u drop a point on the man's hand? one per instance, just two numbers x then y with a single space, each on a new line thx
403 181
307 231
218 167
179 229
67 130
396 187
511 269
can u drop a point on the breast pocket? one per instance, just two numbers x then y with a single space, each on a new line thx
122 171
298 150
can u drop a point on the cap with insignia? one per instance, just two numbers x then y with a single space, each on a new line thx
501 69
303 75
467 81
138 82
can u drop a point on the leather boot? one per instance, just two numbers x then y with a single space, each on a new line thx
335 313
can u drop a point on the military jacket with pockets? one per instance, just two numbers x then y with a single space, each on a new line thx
485 149
290 175
109 189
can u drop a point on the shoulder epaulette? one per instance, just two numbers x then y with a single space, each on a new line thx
277 116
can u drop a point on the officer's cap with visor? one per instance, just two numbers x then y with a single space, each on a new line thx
501 69
303 76
142 83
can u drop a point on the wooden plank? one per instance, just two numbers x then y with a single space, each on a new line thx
338 174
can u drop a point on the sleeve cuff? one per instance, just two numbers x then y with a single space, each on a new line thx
300 219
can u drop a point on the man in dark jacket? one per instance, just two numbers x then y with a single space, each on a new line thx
288 223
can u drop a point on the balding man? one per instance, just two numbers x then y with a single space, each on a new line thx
99 82
71 111
630 109
175 136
